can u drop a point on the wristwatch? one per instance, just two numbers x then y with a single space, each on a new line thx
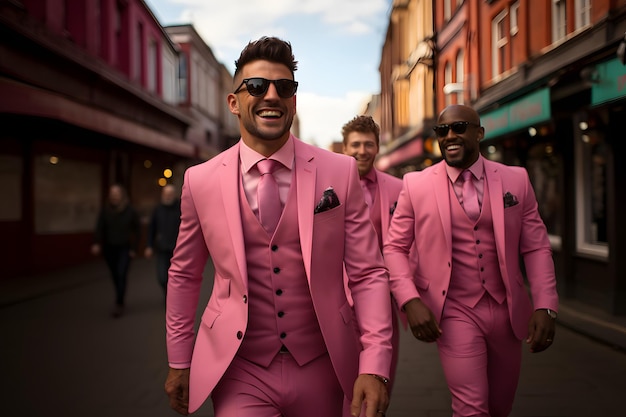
551 313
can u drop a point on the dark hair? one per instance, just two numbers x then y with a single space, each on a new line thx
362 124
270 49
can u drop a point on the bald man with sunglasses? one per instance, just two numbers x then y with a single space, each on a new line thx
280 219
470 220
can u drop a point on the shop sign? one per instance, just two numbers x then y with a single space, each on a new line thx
610 84
529 110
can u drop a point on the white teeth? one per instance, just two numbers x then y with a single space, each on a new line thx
453 147
269 113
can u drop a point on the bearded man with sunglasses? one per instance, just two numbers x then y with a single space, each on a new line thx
461 286
278 336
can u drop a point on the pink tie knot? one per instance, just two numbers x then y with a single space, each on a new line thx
467 175
267 166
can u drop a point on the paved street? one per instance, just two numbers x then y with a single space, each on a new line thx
62 355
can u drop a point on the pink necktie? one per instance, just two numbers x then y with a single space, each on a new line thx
268 197
470 198
366 191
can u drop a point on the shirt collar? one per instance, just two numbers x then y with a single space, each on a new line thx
370 176
477 169
249 157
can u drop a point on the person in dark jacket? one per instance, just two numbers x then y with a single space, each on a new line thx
163 231
116 238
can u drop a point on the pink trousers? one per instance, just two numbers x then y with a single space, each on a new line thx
284 389
481 358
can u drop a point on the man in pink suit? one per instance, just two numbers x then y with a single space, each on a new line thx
467 291
278 336
361 139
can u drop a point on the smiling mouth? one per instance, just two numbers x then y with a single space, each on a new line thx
453 147
270 114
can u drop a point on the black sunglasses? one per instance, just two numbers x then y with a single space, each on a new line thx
257 86
457 127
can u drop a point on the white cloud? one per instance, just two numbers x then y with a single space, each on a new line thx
321 118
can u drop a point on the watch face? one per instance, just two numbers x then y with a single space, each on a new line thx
551 313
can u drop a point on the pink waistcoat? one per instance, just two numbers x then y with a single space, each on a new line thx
474 259
280 307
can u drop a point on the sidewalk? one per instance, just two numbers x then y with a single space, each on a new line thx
65 356
593 323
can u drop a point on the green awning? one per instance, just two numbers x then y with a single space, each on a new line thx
610 84
531 109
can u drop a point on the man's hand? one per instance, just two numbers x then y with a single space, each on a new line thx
422 321
373 392
541 330
177 388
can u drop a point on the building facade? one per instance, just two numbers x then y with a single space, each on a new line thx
90 96
405 106
549 82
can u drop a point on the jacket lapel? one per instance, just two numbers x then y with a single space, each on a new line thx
441 191
230 181
494 182
305 193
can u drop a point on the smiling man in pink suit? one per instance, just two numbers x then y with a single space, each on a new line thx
361 140
471 219
278 336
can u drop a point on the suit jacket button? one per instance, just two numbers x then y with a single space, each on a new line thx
276 270
283 335
240 335
245 299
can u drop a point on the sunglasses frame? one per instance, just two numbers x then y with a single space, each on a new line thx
266 85
457 127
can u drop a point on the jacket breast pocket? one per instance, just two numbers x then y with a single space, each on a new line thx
327 215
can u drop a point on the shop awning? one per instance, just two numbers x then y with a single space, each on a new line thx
531 109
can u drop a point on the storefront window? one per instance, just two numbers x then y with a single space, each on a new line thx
67 195
591 187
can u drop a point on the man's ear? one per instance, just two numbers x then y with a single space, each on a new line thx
233 104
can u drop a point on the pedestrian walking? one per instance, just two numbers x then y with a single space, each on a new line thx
163 231
117 238
279 219
471 220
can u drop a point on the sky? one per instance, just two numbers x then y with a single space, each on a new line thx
337 44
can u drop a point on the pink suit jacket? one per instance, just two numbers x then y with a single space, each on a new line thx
389 188
423 213
211 226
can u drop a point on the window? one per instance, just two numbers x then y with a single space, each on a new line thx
182 78
152 66
559 20
591 186
460 76
514 18
137 53
583 13
499 42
